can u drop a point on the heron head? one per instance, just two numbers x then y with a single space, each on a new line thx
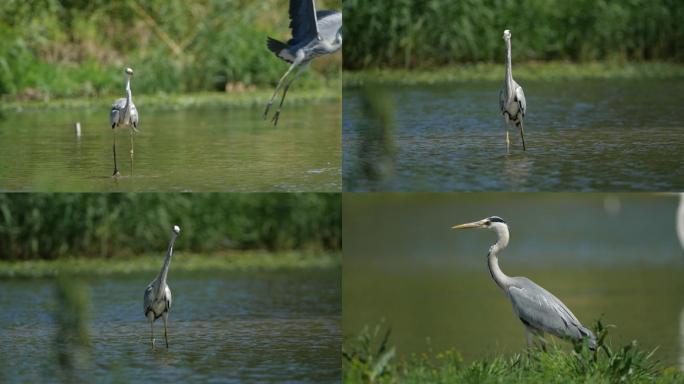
493 222
176 230
129 71
507 35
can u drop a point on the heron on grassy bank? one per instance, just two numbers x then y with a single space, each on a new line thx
537 308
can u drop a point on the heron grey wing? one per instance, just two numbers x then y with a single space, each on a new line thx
542 310
134 116
329 23
169 298
502 100
148 298
520 96
302 22
115 113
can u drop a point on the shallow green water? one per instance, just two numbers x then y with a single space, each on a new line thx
600 135
198 149
227 327
614 257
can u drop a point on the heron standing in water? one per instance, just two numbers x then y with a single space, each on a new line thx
512 98
537 308
124 113
313 34
157 299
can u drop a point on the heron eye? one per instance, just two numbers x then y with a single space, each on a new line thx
487 223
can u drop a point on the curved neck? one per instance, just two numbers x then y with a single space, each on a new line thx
165 267
509 70
500 278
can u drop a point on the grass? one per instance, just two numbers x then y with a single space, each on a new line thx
370 359
554 70
185 262
162 101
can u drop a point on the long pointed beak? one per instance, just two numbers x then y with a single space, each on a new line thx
475 224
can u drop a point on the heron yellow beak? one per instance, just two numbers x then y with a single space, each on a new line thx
475 224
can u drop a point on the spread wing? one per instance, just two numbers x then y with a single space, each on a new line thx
302 21
329 23
539 309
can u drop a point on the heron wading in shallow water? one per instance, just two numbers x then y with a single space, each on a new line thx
512 98
314 33
157 299
124 113
537 308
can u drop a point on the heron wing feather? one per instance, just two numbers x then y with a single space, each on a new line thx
329 23
544 311
520 97
302 21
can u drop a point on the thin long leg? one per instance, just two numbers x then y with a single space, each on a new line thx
508 142
166 337
530 338
294 65
132 151
522 134
116 170
299 71
152 333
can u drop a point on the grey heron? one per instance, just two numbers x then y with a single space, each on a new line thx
157 299
537 308
314 33
124 113
512 98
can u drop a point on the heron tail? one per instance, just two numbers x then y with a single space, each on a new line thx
589 335
276 46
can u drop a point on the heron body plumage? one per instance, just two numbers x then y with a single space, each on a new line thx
314 34
539 310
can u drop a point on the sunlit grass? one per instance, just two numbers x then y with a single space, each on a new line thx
369 358
185 262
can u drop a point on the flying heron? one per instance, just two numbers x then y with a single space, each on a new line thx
157 299
537 308
124 113
512 98
314 33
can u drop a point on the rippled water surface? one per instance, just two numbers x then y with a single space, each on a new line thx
232 327
614 257
197 149
581 136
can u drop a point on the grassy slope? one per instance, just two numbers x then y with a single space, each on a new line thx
554 70
245 260
369 358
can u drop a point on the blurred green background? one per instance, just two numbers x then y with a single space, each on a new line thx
52 226
78 48
409 33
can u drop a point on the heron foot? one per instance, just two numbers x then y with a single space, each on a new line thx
268 107
116 173
275 118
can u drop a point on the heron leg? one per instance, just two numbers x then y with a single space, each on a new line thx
508 142
116 170
152 333
165 315
522 134
294 65
299 71
530 337
132 133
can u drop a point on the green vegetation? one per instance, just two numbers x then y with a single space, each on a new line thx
75 48
414 34
182 262
369 359
52 226
554 70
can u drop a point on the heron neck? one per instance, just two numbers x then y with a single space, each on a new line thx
129 95
509 70
165 267
500 278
